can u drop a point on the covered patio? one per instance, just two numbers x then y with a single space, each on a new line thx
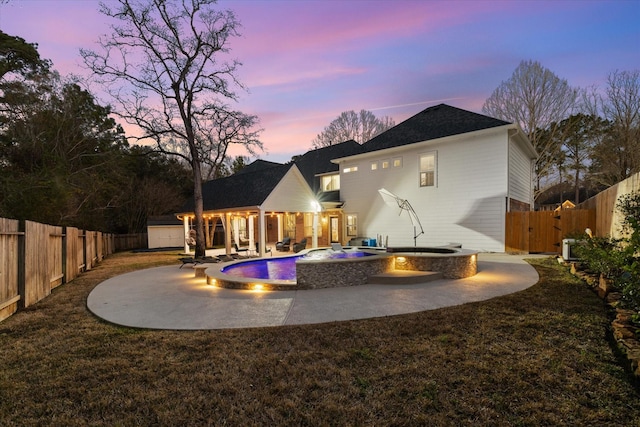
262 205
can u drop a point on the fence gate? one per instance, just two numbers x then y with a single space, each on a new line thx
543 231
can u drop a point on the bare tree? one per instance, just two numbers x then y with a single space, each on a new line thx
535 98
360 127
617 156
166 67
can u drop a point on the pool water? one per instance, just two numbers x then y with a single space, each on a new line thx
283 268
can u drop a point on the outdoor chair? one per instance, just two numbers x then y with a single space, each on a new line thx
297 247
267 251
244 251
284 246
337 247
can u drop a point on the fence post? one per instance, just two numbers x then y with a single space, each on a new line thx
21 264
64 255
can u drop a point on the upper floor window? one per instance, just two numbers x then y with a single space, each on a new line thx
428 170
374 166
397 162
330 182
385 164
350 169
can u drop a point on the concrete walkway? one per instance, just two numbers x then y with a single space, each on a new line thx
172 298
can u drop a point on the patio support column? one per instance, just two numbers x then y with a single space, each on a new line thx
227 233
316 210
185 222
207 235
262 233
280 228
251 239
314 238
236 231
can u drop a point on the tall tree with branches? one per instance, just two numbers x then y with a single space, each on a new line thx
167 69
535 98
617 156
359 127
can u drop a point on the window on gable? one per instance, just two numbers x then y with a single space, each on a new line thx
330 182
374 166
397 162
385 164
428 170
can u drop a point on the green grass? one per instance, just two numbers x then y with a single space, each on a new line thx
537 357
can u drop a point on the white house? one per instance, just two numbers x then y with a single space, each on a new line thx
460 171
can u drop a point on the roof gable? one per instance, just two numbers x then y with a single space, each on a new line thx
432 123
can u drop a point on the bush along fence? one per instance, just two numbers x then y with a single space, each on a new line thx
610 262
36 258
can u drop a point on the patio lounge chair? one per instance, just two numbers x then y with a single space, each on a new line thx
199 260
337 247
297 247
284 246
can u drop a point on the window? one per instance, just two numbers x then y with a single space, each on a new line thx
428 170
352 225
374 166
397 162
350 169
330 182
385 164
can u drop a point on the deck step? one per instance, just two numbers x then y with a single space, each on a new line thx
404 277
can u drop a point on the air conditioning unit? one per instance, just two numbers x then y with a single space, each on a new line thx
568 249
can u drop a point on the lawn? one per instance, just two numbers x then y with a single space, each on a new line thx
537 357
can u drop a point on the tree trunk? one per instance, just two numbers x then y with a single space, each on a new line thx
577 198
198 209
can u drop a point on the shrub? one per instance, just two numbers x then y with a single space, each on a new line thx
618 259
629 280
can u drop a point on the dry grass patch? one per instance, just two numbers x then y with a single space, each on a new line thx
538 357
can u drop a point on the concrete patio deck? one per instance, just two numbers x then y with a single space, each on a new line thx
172 298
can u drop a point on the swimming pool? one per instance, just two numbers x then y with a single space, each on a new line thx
284 268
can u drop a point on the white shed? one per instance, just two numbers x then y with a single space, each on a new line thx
165 232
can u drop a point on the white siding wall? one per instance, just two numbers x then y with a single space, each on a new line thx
292 194
519 174
467 206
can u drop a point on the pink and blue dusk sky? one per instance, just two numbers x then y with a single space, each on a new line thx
306 61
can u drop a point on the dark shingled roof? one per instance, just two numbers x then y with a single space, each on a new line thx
163 220
257 165
318 161
432 123
240 189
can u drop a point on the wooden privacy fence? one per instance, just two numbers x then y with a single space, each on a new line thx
543 231
36 258
537 232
